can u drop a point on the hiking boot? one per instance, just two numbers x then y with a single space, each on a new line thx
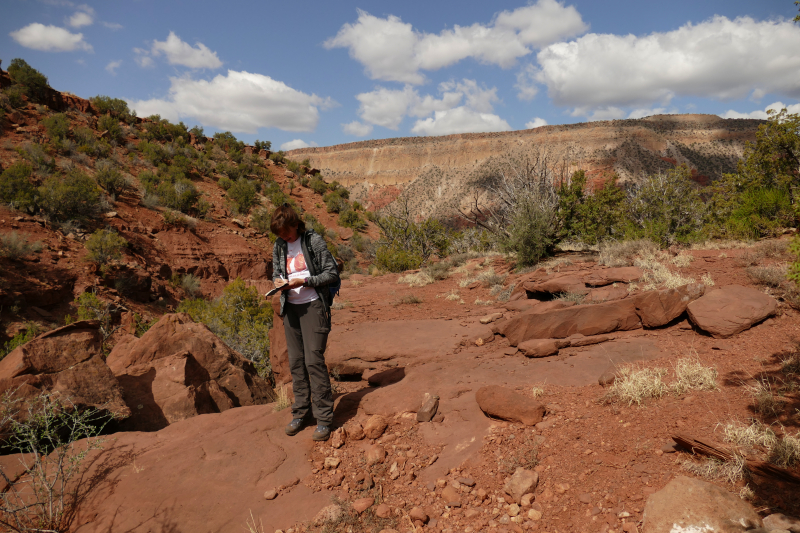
295 426
321 433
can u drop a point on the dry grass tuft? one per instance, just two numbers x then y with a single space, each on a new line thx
791 364
502 293
712 468
682 260
614 253
409 299
489 278
764 401
721 245
657 275
771 276
786 452
690 374
570 297
538 391
478 301
637 385
282 401
251 525
707 280
756 434
553 264
419 279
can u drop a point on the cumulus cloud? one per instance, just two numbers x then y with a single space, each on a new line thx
762 114
536 123
459 120
113 66
239 102
83 17
49 38
388 107
718 58
112 25
297 143
393 50
356 128
179 52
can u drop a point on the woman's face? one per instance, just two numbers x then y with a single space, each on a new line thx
289 234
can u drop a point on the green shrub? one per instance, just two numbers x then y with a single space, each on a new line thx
533 231
38 156
242 196
225 183
111 125
318 185
110 179
260 219
351 219
262 145
15 95
295 167
84 136
163 130
241 318
666 208
73 197
115 106
180 194
761 213
153 152
16 189
15 246
590 217
278 157
34 82
190 284
312 222
90 307
396 259
57 126
336 201
105 246
233 172
228 141
30 333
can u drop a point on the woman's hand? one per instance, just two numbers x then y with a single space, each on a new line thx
280 282
296 282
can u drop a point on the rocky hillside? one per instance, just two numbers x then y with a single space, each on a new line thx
210 241
438 167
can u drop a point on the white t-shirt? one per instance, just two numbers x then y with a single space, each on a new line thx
296 268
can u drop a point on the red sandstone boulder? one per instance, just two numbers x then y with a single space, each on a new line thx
606 294
600 278
542 347
179 369
279 352
619 315
505 404
657 308
67 360
557 285
731 310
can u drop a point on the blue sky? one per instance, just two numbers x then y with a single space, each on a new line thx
320 73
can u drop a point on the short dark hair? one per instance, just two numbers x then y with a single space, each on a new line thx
285 217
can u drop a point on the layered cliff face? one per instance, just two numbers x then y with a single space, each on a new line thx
437 168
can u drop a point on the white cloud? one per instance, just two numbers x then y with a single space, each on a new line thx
393 50
142 58
112 25
113 66
49 38
359 129
83 17
718 58
239 102
181 53
297 143
536 123
388 107
777 106
526 83
459 120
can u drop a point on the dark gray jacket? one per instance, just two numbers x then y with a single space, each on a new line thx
323 267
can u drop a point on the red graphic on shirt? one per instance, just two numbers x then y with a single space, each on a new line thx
297 263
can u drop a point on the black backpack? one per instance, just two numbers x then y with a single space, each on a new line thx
333 288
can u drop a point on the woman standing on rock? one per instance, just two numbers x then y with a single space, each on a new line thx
304 268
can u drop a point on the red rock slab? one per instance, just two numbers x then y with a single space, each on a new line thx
563 284
657 308
589 319
542 347
600 278
206 473
606 294
361 346
505 404
731 310
582 340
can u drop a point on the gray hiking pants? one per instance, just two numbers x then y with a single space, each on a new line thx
306 337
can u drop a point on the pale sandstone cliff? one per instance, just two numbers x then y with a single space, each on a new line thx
708 144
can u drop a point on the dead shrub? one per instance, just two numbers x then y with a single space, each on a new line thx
419 279
614 253
714 469
637 385
690 374
764 401
770 276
